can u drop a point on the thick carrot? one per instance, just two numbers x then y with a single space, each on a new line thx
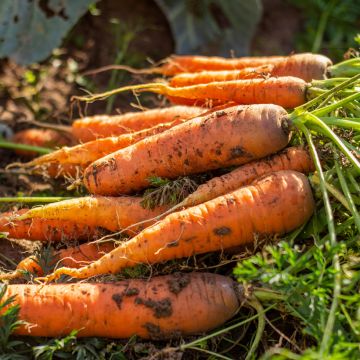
292 158
93 127
159 308
204 77
276 204
111 213
232 136
41 137
306 66
45 230
86 153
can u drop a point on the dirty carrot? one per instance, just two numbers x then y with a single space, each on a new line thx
159 308
111 213
274 205
45 230
232 136
93 127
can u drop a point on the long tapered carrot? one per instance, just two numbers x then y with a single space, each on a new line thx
45 230
232 136
112 213
86 153
159 308
204 77
306 66
93 127
286 91
276 204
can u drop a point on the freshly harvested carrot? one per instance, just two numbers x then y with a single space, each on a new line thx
159 308
204 77
276 204
232 136
306 66
86 153
111 213
93 127
41 137
45 230
286 91
292 158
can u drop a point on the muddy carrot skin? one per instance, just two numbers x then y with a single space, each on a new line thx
275 204
111 213
93 127
160 308
306 66
232 136
292 158
45 230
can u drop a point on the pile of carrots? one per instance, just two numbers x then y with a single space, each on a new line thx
228 113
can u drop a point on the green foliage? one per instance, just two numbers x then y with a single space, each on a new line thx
30 30
212 26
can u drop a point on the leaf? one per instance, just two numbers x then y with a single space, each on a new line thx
30 30
212 26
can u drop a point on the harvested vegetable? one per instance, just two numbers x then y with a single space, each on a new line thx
275 204
232 136
99 126
159 308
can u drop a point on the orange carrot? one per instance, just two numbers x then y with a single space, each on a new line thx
93 127
276 204
159 308
86 153
111 213
41 137
232 136
204 77
306 66
292 158
45 230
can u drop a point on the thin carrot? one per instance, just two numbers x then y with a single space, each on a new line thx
276 204
45 230
159 308
111 213
99 126
204 77
232 136
306 66
41 137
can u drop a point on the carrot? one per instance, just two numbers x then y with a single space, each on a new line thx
159 308
86 153
292 158
90 128
232 136
306 66
111 213
276 204
45 230
41 137
204 77
286 91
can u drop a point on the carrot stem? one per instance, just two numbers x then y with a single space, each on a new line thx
34 199
14 146
346 68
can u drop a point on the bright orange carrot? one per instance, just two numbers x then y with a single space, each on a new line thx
292 158
111 213
204 77
276 204
232 136
41 137
45 230
93 127
159 308
306 66
86 153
